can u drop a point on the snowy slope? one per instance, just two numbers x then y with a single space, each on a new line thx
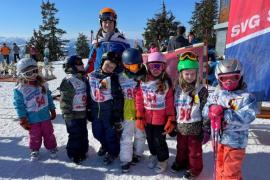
15 164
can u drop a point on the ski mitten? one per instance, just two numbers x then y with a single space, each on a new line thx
118 126
216 114
24 123
170 125
140 121
206 134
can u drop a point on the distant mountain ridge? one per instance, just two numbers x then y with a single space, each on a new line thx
70 47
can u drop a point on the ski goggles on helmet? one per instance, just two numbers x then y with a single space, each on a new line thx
188 55
107 17
157 66
30 72
132 67
226 77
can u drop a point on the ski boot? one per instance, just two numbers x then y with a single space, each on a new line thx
34 155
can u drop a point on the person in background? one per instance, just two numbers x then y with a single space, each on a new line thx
5 50
153 48
192 38
33 52
178 41
16 51
35 108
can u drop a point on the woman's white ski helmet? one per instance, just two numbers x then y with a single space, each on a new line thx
25 63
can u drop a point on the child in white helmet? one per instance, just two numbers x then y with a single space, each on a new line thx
35 108
231 109
155 110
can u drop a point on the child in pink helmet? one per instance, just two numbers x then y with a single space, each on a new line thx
155 110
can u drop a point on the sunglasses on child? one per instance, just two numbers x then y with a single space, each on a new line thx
132 67
30 72
158 66
232 77
188 55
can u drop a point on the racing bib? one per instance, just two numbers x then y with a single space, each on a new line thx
80 97
100 89
152 99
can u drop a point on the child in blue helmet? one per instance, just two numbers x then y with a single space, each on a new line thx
106 105
133 139
73 104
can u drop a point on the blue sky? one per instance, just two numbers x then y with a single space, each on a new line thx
20 17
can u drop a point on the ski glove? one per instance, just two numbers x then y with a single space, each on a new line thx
118 126
216 114
140 121
206 134
53 114
24 123
170 125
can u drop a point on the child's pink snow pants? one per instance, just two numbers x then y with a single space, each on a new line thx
42 129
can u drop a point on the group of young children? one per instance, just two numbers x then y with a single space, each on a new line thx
141 103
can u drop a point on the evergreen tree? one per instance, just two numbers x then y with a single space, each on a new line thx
48 33
82 47
160 27
203 19
52 34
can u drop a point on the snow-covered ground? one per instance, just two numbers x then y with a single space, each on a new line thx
14 152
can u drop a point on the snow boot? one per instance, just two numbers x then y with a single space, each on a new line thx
175 167
161 166
108 159
135 159
125 167
53 153
188 176
152 162
34 155
101 151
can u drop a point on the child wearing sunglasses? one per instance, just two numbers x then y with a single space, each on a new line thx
106 105
192 131
35 108
155 110
231 109
73 104
133 139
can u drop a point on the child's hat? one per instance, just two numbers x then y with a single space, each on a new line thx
188 60
25 63
156 57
